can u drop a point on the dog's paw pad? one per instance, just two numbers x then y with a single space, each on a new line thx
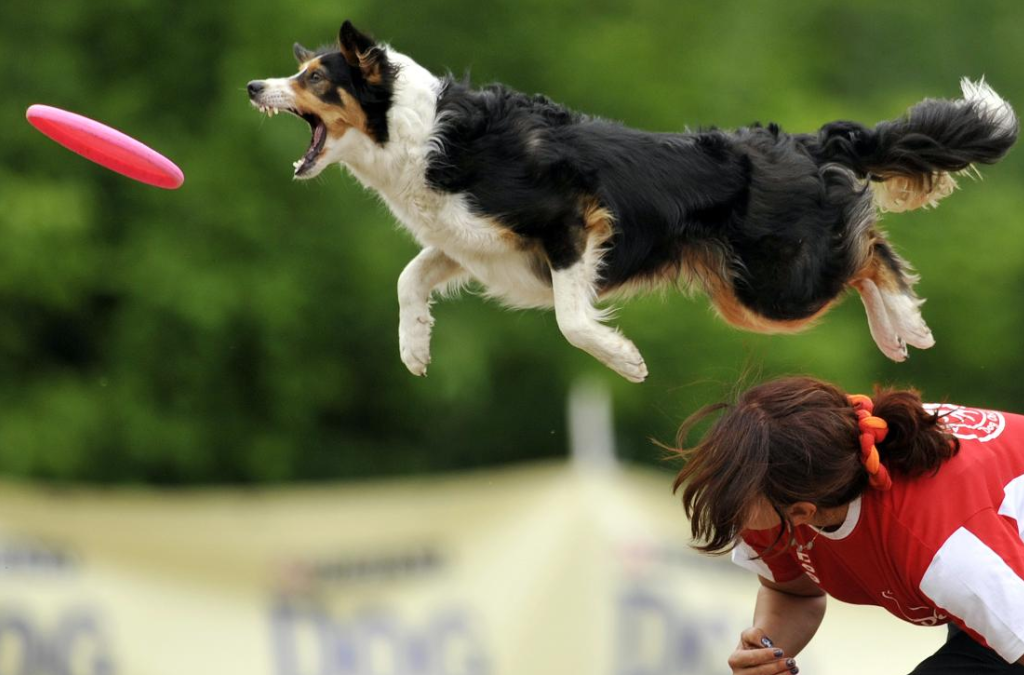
919 336
893 347
414 342
634 372
628 362
416 361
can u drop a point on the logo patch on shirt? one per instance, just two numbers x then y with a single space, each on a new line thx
969 424
924 616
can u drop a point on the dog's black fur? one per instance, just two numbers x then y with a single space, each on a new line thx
776 207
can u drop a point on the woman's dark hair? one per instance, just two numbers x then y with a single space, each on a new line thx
795 439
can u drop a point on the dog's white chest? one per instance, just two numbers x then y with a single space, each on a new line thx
488 252
514 278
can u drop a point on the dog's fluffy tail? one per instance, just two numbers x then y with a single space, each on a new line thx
909 160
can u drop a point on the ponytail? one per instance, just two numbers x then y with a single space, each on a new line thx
916 444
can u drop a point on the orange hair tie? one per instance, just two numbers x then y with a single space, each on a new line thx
872 431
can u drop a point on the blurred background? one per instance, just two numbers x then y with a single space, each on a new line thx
171 358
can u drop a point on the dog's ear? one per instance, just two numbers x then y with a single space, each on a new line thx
301 53
360 51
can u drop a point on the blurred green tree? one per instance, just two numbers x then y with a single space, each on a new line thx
243 329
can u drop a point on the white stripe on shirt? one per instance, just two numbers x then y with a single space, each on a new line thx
970 580
1013 502
746 557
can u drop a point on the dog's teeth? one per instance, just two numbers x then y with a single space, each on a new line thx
297 163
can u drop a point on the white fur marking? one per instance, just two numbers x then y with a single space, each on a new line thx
397 170
580 322
905 316
879 323
426 272
992 104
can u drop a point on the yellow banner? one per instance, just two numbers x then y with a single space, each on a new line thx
544 570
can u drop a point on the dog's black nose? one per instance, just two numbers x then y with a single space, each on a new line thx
255 87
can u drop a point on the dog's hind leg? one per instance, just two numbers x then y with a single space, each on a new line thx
895 284
894 310
881 328
574 286
427 272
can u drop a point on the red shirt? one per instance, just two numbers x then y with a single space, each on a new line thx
939 548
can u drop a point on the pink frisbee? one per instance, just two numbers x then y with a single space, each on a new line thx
106 146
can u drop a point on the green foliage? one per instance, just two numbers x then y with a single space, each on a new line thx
244 328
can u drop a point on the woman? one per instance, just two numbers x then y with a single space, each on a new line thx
886 501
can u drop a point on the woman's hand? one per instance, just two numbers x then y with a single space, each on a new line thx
756 655
790 612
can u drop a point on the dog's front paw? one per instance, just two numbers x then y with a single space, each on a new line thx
414 341
625 359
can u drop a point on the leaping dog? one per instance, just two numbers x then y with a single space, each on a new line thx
547 207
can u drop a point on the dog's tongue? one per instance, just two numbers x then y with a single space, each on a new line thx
315 146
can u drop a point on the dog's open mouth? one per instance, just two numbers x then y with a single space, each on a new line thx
316 144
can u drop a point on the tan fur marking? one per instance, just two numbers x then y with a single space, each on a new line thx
736 314
660 279
367 62
708 268
353 115
878 272
513 240
701 268
896 193
337 119
870 266
598 221
371 69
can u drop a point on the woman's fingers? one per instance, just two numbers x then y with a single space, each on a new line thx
754 638
750 658
761 662
757 655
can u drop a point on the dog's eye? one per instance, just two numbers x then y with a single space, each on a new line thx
315 77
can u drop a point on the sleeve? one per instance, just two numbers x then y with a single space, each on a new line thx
977 576
779 567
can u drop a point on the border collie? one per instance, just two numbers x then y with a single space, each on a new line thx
547 207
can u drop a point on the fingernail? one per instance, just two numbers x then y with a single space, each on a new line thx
766 642
778 653
790 663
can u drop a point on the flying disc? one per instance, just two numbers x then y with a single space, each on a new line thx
106 146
